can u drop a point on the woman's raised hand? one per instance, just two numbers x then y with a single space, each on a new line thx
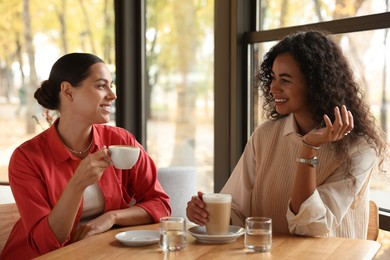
341 127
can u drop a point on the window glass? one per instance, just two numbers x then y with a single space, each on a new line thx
180 112
370 60
275 14
55 28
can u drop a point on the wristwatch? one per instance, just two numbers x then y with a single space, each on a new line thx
313 162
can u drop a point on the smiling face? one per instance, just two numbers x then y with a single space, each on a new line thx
92 100
288 86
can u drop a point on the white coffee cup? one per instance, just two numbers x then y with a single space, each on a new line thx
124 156
218 208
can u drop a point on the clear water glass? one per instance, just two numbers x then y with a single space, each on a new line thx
258 234
172 233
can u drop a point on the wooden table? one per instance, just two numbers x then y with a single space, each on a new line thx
284 246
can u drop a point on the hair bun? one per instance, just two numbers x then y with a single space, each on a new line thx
45 97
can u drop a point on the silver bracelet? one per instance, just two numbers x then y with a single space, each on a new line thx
310 146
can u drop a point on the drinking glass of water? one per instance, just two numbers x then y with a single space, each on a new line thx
258 234
172 233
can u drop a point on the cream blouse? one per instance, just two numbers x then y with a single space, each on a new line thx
262 181
93 202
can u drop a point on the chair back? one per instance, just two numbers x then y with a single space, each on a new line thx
9 214
179 182
373 222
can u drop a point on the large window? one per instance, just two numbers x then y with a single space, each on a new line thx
179 95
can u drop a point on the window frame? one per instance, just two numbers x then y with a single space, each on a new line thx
130 67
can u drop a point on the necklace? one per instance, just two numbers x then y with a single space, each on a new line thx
77 152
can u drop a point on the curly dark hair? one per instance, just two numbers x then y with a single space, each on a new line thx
330 83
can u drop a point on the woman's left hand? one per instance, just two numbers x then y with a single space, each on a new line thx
93 227
342 126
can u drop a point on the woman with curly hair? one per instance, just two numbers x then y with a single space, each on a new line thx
308 167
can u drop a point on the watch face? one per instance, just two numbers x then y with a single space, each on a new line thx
314 161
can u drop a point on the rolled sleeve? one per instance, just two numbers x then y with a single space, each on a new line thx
324 210
311 218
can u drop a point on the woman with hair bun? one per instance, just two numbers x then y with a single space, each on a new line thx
64 185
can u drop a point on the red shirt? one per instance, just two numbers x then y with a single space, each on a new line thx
40 169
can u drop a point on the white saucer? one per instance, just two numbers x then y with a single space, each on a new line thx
199 232
138 237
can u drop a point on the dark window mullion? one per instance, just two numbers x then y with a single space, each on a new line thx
347 25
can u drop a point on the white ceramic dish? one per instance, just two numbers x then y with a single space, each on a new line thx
138 237
199 232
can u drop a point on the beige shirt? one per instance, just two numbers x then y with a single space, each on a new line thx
262 181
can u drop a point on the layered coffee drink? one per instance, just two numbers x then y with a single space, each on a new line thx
218 207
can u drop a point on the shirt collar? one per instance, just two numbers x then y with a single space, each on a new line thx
290 126
97 140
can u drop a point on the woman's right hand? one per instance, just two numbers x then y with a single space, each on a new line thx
89 171
195 210
91 168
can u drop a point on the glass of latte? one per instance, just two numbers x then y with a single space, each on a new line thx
218 208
